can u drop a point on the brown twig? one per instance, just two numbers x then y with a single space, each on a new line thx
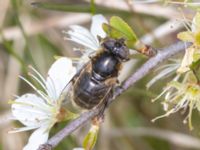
162 54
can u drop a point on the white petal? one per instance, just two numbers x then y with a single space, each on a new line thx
83 36
60 73
96 27
31 110
38 137
187 60
22 129
196 23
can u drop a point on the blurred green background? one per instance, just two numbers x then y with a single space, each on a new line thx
32 35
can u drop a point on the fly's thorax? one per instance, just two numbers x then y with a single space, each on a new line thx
105 66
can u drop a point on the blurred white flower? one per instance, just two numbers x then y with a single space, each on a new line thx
42 111
181 94
192 53
88 38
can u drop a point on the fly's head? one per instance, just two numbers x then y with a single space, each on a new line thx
117 47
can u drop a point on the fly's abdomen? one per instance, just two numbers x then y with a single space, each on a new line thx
88 93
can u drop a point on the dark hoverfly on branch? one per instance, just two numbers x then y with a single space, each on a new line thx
89 85
94 83
109 45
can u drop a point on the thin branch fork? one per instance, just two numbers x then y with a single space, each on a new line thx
162 55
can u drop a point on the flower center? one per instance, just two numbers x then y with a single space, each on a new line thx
61 114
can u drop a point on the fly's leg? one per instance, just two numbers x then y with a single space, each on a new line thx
109 94
104 104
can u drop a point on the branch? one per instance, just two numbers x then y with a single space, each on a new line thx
162 54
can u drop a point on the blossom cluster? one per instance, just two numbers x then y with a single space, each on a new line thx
183 92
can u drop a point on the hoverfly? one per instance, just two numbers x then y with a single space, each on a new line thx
93 84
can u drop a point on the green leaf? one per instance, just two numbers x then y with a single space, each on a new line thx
118 28
196 56
112 32
123 27
92 5
195 67
197 39
90 138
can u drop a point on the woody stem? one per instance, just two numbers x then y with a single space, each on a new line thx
162 55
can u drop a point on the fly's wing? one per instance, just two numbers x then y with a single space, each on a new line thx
67 92
109 94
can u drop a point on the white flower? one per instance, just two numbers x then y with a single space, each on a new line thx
192 36
181 94
88 38
43 111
